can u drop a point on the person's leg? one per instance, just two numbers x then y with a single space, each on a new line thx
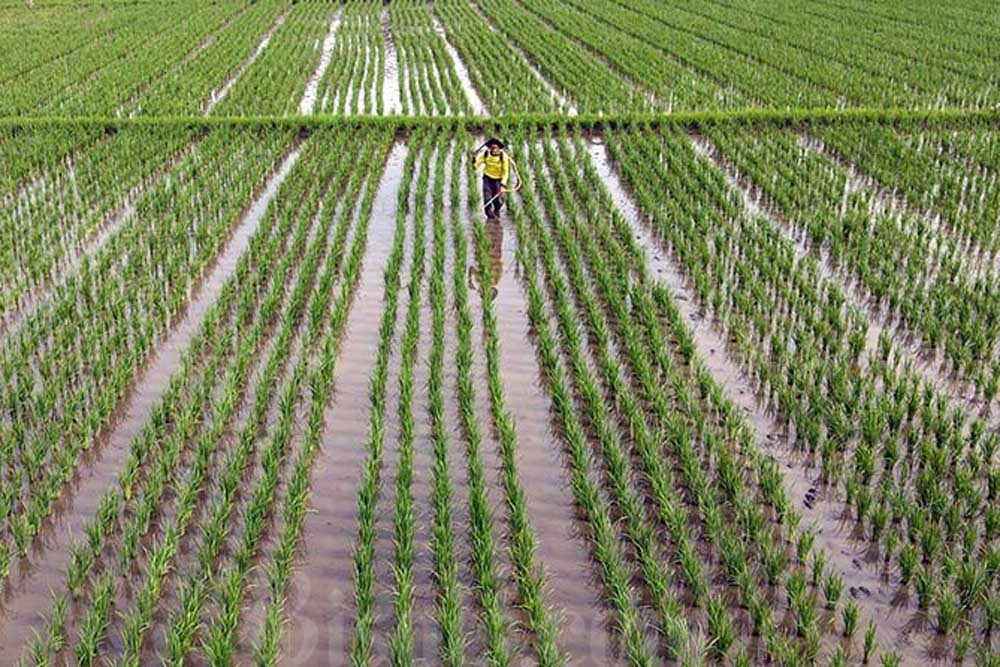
498 203
487 196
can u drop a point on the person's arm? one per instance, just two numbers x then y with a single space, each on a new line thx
480 158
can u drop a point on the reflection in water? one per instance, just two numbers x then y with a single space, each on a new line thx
494 236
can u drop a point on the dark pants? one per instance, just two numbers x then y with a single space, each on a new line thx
491 188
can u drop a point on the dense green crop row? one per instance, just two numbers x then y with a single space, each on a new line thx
623 55
54 220
908 264
276 80
505 82
188 86
59 387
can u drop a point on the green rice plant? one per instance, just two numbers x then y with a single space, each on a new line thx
615 570
849 615
963 641
870 644
948 612
442 546
279 570
92 630
401 639
926 588
530 580
720 629
832 588
991 612
818 567
890 659
839 657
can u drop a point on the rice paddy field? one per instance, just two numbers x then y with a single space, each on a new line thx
720 387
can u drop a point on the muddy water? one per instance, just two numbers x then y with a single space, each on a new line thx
321 597
390 82
819 506
220 93
573 588
475 102
308 103
28 595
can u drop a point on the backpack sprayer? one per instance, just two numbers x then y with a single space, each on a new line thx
516 173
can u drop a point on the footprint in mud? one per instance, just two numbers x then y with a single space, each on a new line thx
858 592
810 499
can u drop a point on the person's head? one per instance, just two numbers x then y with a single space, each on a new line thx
495 146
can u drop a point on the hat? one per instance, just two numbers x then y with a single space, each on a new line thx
493 141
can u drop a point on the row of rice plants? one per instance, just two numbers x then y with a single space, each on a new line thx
428 83
870 69
184 88
165 464
507 84
875 50
47 229
660 83
51 33
274 82
294 507
60 388
443 539
34 158
213 582
483 544
951 172
404 520
561 60
672 420
109 89
799 350
907 266
25 94
756 546
353 82
370 487
610 553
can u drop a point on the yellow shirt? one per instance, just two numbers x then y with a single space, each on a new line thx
497 166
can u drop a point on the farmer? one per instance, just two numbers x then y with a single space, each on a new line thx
496 171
